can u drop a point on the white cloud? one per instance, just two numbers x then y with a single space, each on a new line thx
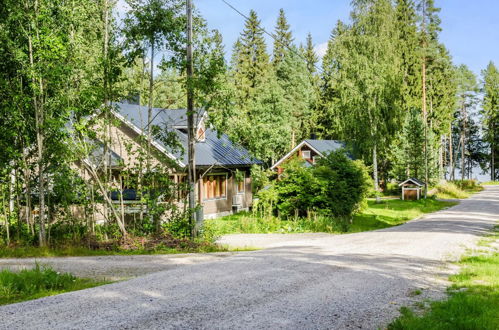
321 49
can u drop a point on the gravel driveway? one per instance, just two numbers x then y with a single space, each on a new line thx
330 282
113 267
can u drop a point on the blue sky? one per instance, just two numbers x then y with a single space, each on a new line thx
470 27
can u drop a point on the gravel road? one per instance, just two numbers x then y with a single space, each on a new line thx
330 282
113 267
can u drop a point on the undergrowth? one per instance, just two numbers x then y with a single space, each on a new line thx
376 216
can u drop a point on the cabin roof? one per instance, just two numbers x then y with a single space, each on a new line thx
216 149
321 147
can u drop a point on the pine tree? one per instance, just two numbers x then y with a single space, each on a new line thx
490 113
283 38
466 101
408 48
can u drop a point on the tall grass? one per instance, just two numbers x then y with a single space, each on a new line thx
38 282
376 216
449 190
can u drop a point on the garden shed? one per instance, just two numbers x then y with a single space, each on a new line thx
412 189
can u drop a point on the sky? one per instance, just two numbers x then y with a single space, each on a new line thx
470 27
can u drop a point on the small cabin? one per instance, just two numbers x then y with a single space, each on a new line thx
309 151
412 189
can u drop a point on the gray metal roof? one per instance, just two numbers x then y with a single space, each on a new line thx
217 149
325 146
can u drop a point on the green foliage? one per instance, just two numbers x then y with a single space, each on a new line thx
283 38
375 216
335 188
362 75
490 113
449 190
38 282
310 55
408 155
259 177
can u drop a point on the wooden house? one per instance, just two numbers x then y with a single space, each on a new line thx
217 159
310 151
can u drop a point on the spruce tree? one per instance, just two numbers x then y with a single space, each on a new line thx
250 59
310 55
283 38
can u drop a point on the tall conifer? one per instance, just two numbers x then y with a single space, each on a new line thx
283 38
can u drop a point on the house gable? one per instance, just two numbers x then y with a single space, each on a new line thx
309 151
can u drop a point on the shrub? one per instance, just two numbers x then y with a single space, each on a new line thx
336 188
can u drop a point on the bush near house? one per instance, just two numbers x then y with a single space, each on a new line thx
336 187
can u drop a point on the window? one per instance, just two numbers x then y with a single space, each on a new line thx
215 186
315 159
305 154
201 134
240 185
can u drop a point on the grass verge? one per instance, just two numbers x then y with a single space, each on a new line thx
458 189
388 213
490 183
70 251
39 282
473 301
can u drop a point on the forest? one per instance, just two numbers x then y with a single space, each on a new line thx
386 85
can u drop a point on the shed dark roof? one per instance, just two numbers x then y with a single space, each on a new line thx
216 149
413 180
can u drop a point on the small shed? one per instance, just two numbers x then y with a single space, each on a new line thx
411 189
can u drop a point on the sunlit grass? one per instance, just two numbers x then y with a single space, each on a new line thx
388 213
39 282
490 183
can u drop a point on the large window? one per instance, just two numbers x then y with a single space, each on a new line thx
215 186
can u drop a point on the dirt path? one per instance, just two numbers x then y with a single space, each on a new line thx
331 282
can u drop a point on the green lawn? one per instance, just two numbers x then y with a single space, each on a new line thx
37 283
394 212
473 301
385 214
